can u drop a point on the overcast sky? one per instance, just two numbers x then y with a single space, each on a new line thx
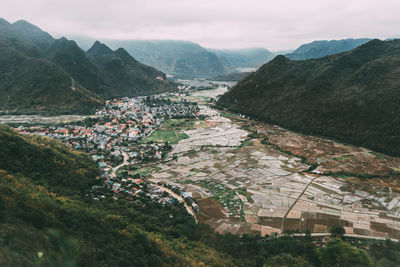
275 25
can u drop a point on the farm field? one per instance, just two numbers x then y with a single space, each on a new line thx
252 177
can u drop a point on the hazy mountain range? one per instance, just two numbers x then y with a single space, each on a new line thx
351 96
42 74
188 59
323 48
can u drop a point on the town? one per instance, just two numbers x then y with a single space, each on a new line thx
115 139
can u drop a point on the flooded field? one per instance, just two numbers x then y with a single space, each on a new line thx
244 184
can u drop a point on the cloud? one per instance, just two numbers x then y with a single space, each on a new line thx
275 24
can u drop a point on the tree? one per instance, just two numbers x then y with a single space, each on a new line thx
338 231
285 259
340 254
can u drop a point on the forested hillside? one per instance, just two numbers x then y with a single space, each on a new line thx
42 75
352 97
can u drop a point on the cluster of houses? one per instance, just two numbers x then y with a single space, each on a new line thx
129 189
113 139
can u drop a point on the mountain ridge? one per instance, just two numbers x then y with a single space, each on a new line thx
246 57
317 49
334 96
65 61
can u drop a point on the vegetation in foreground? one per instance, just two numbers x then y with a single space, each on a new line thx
45 220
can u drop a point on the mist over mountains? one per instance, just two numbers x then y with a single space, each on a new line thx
323 48
188 59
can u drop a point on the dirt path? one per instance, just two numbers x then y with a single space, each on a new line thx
189 209
297 199
114 170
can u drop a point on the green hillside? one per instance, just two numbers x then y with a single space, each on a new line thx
352 97
36 85
37 72
41 39
66 54
123 75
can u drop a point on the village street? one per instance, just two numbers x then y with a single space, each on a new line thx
115 169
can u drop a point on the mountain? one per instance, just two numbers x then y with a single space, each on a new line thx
318 49
179 58
231 77
351 97
41 39
282 52
245 58
33 84
38 71
11 33
125 76
66 54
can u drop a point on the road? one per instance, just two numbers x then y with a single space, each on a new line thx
114 170
189 209
349 235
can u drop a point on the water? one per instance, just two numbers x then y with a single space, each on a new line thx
219 88
212 93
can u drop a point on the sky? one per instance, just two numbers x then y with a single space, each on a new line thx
275 25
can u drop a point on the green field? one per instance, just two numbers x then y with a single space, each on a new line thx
146 171
172 131
341 158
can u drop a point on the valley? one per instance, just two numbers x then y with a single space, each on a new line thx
200 133
240 175
237 175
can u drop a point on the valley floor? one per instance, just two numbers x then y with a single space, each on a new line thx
251 177
244 176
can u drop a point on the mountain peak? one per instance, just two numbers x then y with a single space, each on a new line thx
123 53
27 25
42 39
4 22
99 48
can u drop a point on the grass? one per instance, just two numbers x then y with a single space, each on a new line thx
224 195
376 154
226 114
341 158
146 171
246 143
244 192
395 169
171 131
